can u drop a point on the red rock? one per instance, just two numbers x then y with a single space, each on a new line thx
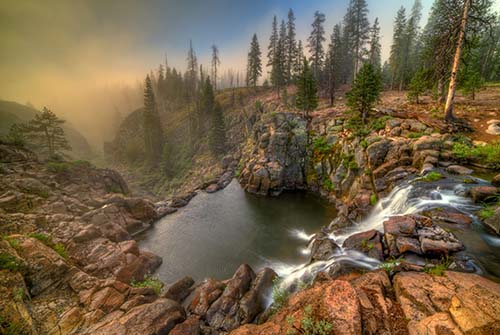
407 244
484 194
400 225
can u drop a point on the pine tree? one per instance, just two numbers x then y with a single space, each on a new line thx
315 44
365 91
359 29
217 135
273 42
153 133
278 66
254 64
44 132
411 43
215 65
307 92
396 59
299 59
333 62
375 48
290 46
191 74
418 85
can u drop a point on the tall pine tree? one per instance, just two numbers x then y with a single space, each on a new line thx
356 23
396 59
273 42
307 91
254 63
375 48
315 44
290 46
215 65
153 132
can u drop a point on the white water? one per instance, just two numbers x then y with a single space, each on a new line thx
406 199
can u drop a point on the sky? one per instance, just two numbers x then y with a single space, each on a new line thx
81 57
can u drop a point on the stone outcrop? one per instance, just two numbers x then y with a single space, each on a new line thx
275 157
413 303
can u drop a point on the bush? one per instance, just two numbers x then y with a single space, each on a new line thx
321 146
58 167
280 296
149 281
373 199
439 268
328 185
61 250
488 154
415 135
309 325
9 262
379 123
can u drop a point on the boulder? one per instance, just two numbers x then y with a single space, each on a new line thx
204 295
457 302
450 216
322 248
408 244
377 152
458 169
496 180
189 327
427 143
400 225
493 223
368 242
254 301
179 290
439 247
483 194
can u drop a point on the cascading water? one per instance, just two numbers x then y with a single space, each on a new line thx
411 197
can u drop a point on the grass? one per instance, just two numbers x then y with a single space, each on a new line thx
309 325
389 264
432 176
439 268
373 199
9 262
328 185
61 250
18 294
366 246
488 154
280 296
13 242
47 240
58 167
10 327
379 123
415 135
149 281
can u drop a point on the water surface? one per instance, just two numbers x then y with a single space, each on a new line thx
215 233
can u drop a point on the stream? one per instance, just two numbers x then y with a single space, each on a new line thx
215 233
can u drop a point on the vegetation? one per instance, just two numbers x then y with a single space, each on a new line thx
48 241
9 262
439 268
12 327
307 99
488 154
254 63
373 199
432 176
309 325
149 281
280 296
321 146
44 132
486 213
365 92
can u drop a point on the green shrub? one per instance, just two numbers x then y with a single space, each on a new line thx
13 242
309 325
321 146
415 135
61 250
149 281
488 154
18 294
58 167
389 264
432 176
373 199
486 213
439 268
280 296
365 245
328 185
379 123
9 262
44 238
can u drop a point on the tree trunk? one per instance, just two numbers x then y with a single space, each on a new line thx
448 109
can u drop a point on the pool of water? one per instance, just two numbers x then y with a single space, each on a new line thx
215 233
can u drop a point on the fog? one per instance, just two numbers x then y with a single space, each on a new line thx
86 59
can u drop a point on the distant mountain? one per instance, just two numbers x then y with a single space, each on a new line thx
13 112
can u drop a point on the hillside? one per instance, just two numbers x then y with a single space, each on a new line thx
12 112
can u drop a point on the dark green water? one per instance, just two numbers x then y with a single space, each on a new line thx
215 233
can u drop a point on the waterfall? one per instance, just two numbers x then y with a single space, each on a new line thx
408 198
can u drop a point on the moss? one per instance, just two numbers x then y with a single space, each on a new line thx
61 250
44 238
13 242
150 282
439 268
365 245
486 213
432 176
415 135
373 199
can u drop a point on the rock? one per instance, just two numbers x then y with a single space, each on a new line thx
458 169
254 301
179 290
189 327
158 317
223 313
204 295
496 180
493 127
377 152
145 264
427 143
493 223
483 194
212 188
400 225
450 217
407 244
439 247
108 299
322 248
459 302
368 242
